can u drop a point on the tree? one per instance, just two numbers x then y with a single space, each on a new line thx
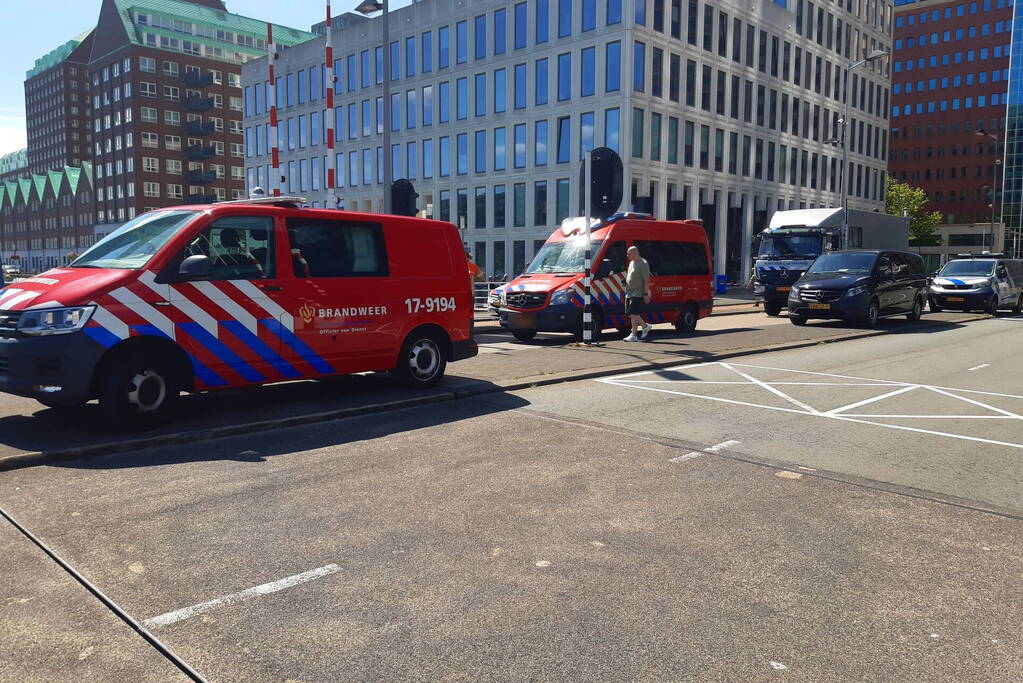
902 199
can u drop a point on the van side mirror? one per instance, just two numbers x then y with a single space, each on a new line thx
195 267
1001 272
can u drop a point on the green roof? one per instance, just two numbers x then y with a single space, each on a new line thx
11 195
56 55
56 178
39 185
198 14
24 189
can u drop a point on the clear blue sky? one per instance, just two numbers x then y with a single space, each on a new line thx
27 35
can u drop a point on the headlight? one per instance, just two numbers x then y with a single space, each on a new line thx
856 291
54 320
561 297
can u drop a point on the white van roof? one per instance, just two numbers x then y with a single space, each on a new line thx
813 218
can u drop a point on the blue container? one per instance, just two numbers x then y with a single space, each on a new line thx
722 284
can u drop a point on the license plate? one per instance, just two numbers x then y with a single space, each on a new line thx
784 289
957 299
820 307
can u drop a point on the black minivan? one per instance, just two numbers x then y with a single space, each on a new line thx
860 286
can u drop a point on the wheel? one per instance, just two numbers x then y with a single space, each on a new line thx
797 320
1018 307
59 405
873 313
524 335
772 308
992 305
421 362
138 392
935 308
918 309
686 323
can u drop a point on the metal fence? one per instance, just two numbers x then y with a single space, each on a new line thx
481 293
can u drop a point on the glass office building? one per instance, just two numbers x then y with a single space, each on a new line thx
1012 187
721 110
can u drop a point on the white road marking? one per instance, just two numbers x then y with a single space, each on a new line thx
710 449
872 400
778 392
978 367
248 594
625 381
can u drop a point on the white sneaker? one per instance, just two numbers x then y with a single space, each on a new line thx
631 338
645 333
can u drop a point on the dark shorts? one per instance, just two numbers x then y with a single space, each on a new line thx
633 305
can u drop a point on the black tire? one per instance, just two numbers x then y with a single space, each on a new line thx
524 335
137 392
992 305
686 323
797 320
935 308
59 405
873 313
917 312
1018 307
772 308
422 360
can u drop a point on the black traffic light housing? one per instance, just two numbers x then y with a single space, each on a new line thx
606 185
403 198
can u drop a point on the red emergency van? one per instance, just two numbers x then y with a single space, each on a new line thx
548 297
200 298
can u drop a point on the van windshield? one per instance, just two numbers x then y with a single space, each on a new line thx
967 268
563 257
136 242
858 264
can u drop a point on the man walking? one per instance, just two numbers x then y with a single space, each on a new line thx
637 293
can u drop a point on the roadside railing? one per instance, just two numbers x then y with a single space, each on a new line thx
481 293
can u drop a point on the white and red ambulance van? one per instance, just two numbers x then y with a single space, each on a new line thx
207 297
548 297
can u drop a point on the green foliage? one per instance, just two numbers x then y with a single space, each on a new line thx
901 199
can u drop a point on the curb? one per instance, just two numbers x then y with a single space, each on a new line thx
22 460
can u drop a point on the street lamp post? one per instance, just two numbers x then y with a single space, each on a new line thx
994 181
872 57
365 8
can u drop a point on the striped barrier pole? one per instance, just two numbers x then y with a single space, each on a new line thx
587 256
330 79
275 151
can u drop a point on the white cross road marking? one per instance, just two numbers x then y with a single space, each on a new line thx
248 594
749 372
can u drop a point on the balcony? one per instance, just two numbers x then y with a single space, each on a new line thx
195 79
200 153
199 104
199 128
201 177
202 198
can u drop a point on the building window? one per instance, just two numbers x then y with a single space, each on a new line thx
540 202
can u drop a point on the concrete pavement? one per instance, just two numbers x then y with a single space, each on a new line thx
484 540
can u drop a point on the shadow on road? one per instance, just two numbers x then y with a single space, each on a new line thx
321 434
48 430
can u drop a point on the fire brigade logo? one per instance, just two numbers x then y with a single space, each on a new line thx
307 312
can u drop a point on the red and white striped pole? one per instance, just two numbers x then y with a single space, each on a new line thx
331 202
275 151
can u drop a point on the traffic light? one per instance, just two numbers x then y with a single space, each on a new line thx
606 185
403 198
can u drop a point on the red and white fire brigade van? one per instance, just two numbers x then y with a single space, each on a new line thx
198 298
548 297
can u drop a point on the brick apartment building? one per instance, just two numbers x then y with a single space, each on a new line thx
949 83
153 94
57 107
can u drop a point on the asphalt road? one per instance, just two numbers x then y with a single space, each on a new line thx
27 427
579 531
